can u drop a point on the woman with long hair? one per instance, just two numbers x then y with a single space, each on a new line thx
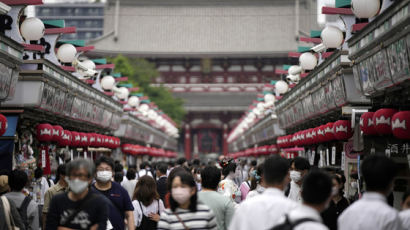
257 184
147 204
227 186
185 211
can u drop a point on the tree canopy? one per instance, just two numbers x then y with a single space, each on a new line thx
140 73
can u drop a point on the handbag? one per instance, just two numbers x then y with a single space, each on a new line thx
8 215
180 220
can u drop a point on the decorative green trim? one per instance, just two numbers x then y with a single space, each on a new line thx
137 94
117 75
315 33
286 67
55 23
145 101
74 42
267 92
302 49
101 61
273 82
125 85
260 99
343 3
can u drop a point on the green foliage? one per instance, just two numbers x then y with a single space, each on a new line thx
140 73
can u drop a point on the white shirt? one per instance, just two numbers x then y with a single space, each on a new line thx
259 190
263 211
371 212
304 211
294 193
405 218
144 172
152 208
228 188
129 185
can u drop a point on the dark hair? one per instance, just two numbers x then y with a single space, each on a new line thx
17 180
131 174
181 161
107 160
187 179
228 165
210 177
80 163
171 164
254 178
145 190
196 162
405 196
300 163
172 174
60 172
378 172
38 173
316 187
118 167
162 167
118 177
275 170
340 182
254 163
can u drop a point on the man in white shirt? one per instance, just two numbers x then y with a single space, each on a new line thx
372 211
130 183
266 210
144 170
316 194
405 213
299 167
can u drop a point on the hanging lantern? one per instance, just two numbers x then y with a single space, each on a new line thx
83 140
329 135
332 37
3 125
400 122
309 137
365 8
366 124
98 140
382 121
308 61
321 134
65 139
66 53
281 87
32 29
44 132
75 139
92 139
57 133
342 130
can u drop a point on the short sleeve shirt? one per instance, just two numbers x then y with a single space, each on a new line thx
120 203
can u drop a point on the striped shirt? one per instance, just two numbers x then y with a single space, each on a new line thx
203 218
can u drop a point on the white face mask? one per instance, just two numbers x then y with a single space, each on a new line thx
295 176
104 176
181 195
353 184
77 186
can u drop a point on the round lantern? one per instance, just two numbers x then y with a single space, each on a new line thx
281 87
57 133
75 139
92 139
98 140
321 134
295 70
88 64
332 37
313 132
400 122
269 99
66 53
44 132
107 82
65 139
309 137
122 93
342 130
365 8
308 61
133 101
84 142
382 121
328 128
3 124
303 137
366 124
32 29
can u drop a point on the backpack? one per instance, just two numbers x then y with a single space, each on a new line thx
287 225
23 211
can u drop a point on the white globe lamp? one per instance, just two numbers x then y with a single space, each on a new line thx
108 82
269 98
133 101
32 29
365 8
144 108
332 37
122 93
88 64
66 53
308 61
281 87
295 69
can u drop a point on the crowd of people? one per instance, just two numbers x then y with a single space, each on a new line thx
276 194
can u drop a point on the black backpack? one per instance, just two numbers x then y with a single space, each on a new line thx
287 225
23 211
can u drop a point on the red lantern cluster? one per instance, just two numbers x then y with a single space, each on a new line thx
49 133
255 152
142 150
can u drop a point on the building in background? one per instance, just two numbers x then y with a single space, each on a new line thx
87 17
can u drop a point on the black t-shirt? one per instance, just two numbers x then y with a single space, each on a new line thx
94 211
331 214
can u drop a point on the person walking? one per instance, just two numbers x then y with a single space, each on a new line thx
186 212
147 204
130 182
227 186
405 212
79 208
28 208
299 168
222 207
162 180
372 210
8 210
266 210
119 205
257 184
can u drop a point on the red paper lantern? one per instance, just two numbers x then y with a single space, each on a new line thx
57 133
65 138
3 124
44 132
328 128
321 134
366 124
342 130
303 137
98 140
314 135
400 125
382 121
92 139
309 137
76 139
